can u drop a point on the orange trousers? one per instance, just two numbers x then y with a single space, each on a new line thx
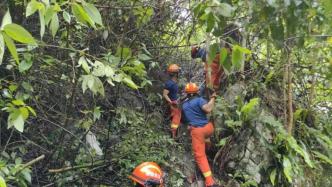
199 135
213 80
176 117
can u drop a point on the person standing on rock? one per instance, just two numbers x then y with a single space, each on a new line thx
195 110
170 94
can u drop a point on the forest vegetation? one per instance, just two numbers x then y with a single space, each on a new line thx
81 90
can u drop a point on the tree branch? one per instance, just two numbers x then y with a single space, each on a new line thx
30 163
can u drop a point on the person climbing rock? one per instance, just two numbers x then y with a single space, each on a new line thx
213 80
195 110
147 174
170 93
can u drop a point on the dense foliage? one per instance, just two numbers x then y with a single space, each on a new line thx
81 71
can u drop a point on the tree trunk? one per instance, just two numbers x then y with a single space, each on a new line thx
289 94
284 88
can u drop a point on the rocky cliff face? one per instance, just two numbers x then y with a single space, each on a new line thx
244 157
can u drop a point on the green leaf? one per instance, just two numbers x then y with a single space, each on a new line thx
18 161
144 57
2 48
15 119
269 77
237 58
99 69
26 175
93 13
42 24
11 46
109 72
98 86
225 10
293 144
225 61
18 102
66 16
143 14
49 15
56 7
273 176
322 157
210 21
96 113
54 25
118 78
270 120
46 2
287 169
130 83
197 9
7 19
223 55
85 66
222 142
249 183
2 182
18 33
213 50
13 87
32 7
25 65
27 86
93 83
81 15
33 112
248 108
85 80
123 52
243 50
306 157
24 112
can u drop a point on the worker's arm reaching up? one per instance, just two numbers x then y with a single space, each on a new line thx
208 107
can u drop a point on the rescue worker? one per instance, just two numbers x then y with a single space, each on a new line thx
147 174
217 72
195 110
170 93
212 81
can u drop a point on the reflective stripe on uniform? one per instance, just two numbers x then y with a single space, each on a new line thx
207 174
174 126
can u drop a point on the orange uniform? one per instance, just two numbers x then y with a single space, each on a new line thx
199 136
195 111
176 117
217 71
171 95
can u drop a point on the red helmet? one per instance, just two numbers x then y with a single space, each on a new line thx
147 173
191 88
173 68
